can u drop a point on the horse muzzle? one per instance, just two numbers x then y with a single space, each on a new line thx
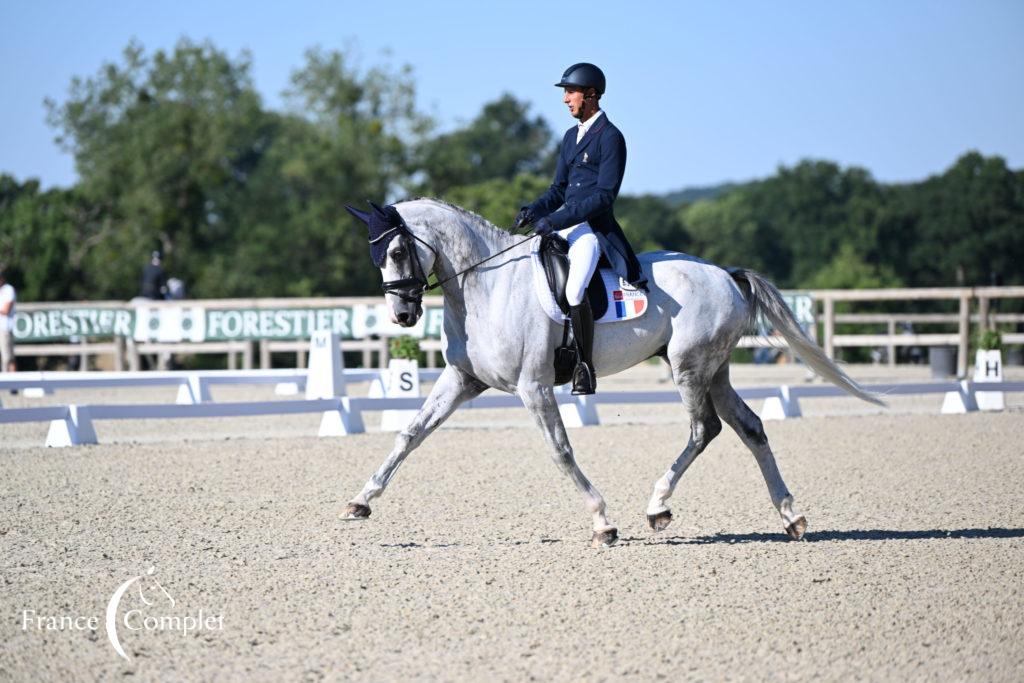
406 314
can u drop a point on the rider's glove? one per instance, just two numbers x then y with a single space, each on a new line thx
543 227
523 218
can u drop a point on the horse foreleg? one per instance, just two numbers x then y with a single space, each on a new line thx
453 388
540 401
747 425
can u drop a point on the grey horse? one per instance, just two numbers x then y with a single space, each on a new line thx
497 335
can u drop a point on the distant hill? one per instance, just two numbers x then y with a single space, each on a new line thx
691 194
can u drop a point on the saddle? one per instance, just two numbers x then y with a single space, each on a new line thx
611 299
554 255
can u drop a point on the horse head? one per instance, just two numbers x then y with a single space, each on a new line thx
404 260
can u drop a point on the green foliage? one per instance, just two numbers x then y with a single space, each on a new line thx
45 238
177 153
501 143
498 200
651 223
406 347
848 270
966 224
990 340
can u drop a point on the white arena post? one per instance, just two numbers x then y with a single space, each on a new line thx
326 373
342 421
960 401
781 407
74 429
577 411
194 390
326 379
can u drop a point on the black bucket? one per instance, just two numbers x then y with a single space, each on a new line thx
942 360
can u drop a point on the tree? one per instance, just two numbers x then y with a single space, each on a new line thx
966 224
346 138
727 231
44 237
651 223
164 146
498 200
177 153
502 142
848 270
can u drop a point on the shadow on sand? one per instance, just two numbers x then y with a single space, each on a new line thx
851 535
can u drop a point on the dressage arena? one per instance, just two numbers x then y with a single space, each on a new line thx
476 563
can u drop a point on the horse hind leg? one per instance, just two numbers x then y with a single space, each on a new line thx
704 426
747 425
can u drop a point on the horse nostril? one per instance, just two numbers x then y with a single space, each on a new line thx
403 317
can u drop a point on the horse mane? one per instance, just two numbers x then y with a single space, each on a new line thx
465 213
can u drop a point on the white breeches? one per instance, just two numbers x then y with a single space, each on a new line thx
584 252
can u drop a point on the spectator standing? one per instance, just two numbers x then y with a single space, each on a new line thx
154 280
7 299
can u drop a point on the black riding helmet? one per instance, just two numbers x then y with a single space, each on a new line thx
583 75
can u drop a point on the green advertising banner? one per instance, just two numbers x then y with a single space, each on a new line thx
171 324
193 323
63 324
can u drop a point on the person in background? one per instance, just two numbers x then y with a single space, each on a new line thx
154 281
7 299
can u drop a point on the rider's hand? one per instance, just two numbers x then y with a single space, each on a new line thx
543 227
523 218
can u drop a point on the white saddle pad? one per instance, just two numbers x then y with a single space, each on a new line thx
625 302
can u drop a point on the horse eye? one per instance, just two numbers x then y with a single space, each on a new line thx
398 253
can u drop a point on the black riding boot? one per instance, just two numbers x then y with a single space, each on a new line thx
584 381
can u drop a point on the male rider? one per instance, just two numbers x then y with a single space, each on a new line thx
578 206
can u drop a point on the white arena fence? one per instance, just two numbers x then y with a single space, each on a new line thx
72 424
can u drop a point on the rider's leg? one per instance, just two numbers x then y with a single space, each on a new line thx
584 252
584 380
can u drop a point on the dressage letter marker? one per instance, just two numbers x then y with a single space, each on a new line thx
402 381
988 367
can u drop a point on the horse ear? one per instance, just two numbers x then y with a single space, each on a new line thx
377 209
361 215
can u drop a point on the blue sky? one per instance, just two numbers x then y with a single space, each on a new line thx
704 92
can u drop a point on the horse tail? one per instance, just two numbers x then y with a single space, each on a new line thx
765 300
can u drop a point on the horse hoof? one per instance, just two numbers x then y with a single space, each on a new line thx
797 527
660 521
604 539
356 511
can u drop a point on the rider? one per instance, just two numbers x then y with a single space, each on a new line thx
578 206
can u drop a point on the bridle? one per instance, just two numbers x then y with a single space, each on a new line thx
412 289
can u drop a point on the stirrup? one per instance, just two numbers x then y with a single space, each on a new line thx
584 383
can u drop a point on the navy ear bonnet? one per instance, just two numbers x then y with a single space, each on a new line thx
384 225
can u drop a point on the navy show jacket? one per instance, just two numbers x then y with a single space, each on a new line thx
587 181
